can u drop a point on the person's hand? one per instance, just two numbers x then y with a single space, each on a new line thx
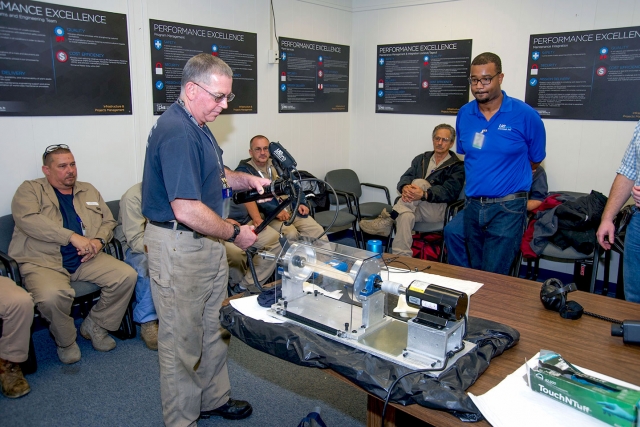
606 234
303 210
97 246
84 246
257 222
411 193
246 237
635 193
283 215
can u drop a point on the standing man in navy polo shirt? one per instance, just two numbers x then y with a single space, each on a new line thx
186 196
502 139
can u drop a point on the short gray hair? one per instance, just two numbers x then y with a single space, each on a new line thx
447 127
201 67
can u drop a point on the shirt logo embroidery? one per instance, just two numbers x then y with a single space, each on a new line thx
504 127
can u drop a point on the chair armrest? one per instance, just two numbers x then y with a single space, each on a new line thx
381 187
452 210
114 248
349 197
11 267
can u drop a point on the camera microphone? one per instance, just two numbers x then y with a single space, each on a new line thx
277 188
281 157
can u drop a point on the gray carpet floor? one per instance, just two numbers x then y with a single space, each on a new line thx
122 388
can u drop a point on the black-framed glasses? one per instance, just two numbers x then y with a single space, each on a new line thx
50 149
484 80
439 138
218 97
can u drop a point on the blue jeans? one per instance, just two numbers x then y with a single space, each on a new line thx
144 310
455 241
494 232
631 265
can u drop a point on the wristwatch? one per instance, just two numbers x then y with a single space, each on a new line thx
236 231
424 196
101 241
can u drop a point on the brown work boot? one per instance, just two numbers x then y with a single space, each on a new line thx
69 354
13 382
149 334
98 335
380 226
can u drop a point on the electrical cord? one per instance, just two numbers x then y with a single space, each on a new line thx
275 32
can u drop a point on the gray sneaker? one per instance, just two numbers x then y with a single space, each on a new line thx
69 354
99 336
380 226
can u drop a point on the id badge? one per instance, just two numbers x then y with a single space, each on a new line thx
227 193
478 140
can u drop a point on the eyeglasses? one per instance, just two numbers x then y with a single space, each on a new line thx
438 139
218 97
484 80
50 149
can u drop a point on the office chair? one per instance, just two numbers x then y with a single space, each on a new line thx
554 253
349 187
345 220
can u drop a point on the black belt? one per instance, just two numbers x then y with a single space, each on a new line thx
513 196
171 225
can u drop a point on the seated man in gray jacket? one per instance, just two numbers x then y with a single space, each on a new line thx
434 179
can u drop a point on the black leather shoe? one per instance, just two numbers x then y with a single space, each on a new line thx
232 410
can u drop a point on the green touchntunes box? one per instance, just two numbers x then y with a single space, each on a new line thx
556 378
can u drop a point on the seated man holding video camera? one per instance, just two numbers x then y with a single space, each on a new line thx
260 164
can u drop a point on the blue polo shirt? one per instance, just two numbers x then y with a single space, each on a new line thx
183 161
513 138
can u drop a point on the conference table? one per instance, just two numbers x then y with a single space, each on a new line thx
586 342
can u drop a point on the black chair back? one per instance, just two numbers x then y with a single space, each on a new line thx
6 232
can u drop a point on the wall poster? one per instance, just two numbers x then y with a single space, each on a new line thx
173 44
423 78
314 77
62 61
585 75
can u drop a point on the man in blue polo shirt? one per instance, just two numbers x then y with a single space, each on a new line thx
502 139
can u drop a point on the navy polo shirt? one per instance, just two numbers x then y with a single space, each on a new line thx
71 221
183 161
514 137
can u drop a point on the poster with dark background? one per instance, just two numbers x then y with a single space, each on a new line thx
314 77
173 44
62 61
423 78
585 75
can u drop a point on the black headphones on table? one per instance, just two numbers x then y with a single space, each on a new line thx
553 295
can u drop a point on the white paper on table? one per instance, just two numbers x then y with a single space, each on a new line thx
249 307
405 277
513 403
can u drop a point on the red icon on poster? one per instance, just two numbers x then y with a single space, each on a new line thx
62 56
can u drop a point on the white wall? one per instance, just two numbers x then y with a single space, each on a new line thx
581 155
110 150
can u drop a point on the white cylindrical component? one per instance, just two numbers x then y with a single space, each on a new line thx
328 271
267 255
393 288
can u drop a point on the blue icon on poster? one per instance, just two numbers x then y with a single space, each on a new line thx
157 43
426 58
533 81
320 58
380 93
381 61
58 31
535 55
159 85
214 48
283 56
283 87
604 51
